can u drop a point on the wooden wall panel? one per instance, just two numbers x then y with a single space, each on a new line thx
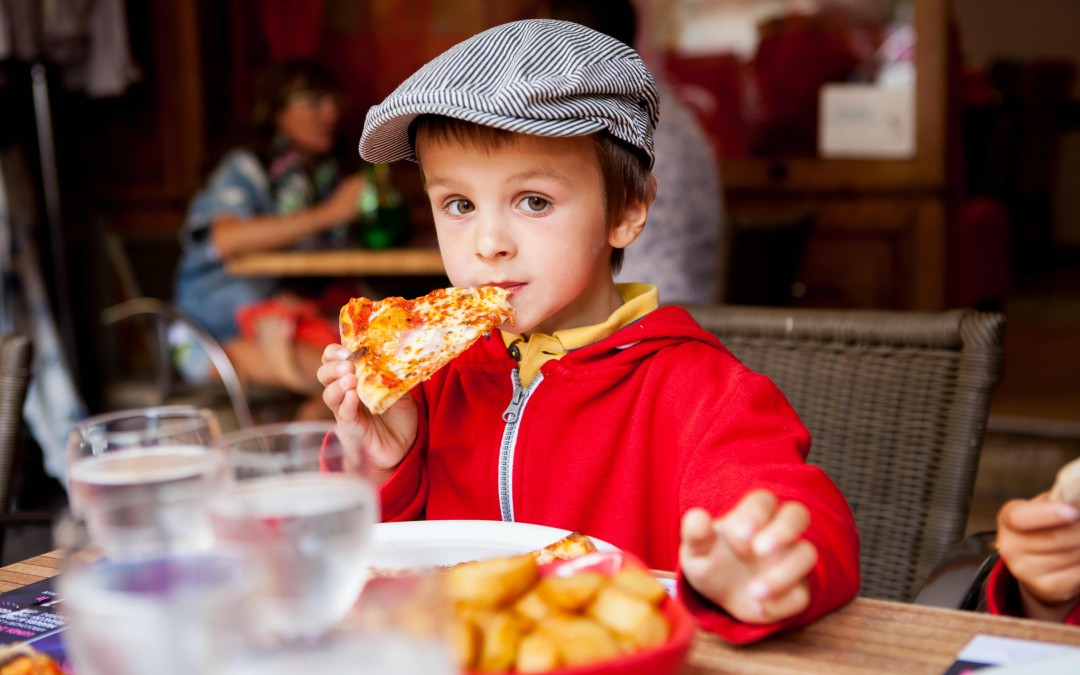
156 137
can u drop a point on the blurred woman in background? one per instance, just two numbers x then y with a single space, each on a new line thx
281 188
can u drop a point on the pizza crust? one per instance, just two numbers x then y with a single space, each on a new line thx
375 396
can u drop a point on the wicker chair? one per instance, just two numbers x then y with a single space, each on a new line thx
15 356
896 404
16 353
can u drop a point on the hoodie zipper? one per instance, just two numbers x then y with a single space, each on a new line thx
512 417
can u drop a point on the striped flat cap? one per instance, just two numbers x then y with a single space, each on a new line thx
538 76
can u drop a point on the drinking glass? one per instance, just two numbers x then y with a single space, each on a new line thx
305 508
142 451
124 524
158 607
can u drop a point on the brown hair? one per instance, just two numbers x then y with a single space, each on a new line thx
626 178
272 93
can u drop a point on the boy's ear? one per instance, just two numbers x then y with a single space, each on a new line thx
632 221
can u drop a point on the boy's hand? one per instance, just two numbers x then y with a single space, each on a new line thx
384 439
751 561
1039 541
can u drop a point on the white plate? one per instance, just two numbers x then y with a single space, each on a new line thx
426 543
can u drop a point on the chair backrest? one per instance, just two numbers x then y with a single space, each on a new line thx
166 314
896 404
15 356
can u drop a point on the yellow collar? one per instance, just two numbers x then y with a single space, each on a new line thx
537 349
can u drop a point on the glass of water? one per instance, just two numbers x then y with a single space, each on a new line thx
150 602
133 473
307 512
143 451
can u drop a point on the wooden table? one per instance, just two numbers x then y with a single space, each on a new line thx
358 262
28 571
868 637
865 637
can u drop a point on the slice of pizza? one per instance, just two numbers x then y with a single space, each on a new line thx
398 343
573 545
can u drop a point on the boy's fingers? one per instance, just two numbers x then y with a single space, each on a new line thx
786 571
790 603
342 401
334 352
323 376
748 517
333 370
332 394
1051 580
791 520
697 531
349 410
1061 540
1031 515
1044 564
347 382
334 384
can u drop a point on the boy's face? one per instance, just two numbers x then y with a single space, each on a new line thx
529 216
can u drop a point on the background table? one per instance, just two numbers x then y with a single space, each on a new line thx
339 263
865 637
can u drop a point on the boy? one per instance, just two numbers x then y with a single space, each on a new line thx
597 410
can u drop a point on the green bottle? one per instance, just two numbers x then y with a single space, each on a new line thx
383 217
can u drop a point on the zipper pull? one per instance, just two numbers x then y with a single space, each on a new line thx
513 411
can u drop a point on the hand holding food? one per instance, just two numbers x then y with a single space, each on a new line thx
380 441
1038 539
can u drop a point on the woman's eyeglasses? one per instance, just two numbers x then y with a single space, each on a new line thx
314 98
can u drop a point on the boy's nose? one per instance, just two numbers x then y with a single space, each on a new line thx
492 240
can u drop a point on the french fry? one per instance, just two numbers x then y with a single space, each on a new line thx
629 616
501 634
641 583
492 583
464 638
573 592
537 653
531 607
578 640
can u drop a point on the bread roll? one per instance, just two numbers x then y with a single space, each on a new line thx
1067 485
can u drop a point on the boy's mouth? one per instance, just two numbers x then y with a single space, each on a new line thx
512 286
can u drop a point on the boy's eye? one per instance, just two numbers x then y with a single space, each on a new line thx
460 207
534 204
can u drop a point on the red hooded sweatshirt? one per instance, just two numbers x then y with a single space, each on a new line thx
617 440
1003 595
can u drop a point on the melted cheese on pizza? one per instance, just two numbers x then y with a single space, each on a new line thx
398 343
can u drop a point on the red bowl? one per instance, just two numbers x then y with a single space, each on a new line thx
665 659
